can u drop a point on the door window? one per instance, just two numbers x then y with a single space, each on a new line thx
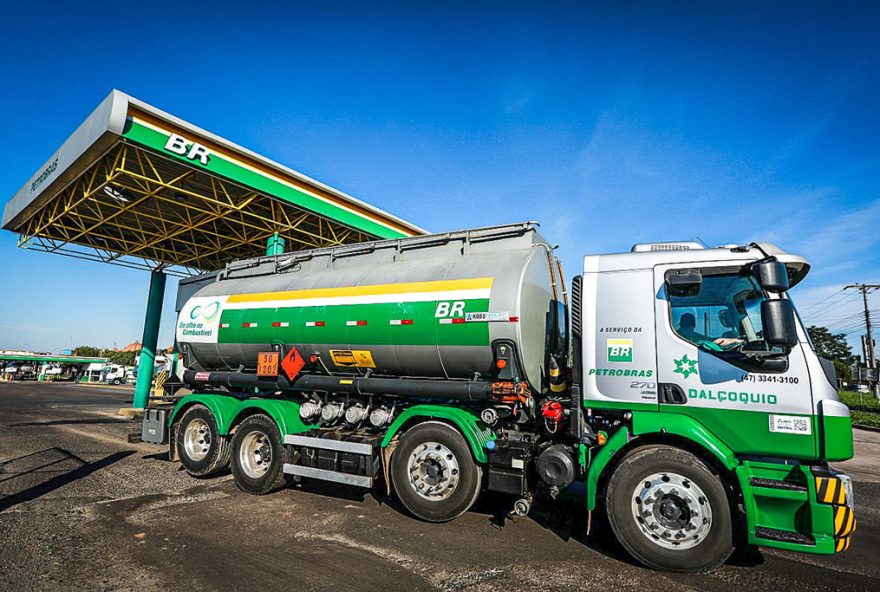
722 315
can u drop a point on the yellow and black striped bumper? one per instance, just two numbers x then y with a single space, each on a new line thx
830 490
836 490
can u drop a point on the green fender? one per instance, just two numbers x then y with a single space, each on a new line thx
474 431
285 414
224 408
227 409
598 463
649 422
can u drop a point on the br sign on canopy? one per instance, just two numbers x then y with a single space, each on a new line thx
192 150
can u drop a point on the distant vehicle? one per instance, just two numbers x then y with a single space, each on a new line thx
27 372
857 388
115 374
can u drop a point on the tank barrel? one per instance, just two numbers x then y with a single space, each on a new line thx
395 387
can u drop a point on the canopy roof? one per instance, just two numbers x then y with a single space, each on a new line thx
45 358
138 187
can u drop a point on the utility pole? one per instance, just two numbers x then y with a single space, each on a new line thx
869 332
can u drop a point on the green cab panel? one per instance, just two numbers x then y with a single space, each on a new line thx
748 432
469 424
837 438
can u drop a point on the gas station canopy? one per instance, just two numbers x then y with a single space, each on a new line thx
137 187
49 358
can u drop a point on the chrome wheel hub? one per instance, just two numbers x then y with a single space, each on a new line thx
255 454
672 511
433 471
197 439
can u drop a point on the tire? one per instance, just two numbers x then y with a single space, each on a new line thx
671 494
434 473
200 447
257 438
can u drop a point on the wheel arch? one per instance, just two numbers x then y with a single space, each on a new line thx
660 429
222 407
475 433
284 413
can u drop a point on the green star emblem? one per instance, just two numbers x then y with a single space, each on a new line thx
686 367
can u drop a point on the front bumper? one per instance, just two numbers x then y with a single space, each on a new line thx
797 507
835 489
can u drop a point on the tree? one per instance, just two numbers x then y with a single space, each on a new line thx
88 351
834 348
125 358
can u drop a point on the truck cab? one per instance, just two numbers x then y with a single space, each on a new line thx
701 348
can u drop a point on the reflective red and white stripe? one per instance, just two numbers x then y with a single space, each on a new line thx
400 322
224 325
355 323
250 325
462 320
314 323
280 324
452 321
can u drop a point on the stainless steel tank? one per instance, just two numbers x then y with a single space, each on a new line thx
427 306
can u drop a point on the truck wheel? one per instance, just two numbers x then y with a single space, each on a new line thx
669 510
434 474
200 447
258 456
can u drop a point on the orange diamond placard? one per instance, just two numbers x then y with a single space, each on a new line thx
292 363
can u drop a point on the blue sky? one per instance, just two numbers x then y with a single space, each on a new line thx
611 123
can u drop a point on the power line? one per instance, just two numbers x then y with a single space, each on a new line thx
828 321
829 306
821 301
857 318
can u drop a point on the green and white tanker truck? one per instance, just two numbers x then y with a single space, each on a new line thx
674 383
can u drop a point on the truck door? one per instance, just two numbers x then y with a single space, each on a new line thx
708 320
618 358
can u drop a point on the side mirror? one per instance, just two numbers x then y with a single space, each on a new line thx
780 329
772 275
684 282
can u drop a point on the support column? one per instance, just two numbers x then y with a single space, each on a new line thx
148 343
274 245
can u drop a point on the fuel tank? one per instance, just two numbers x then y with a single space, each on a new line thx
426 307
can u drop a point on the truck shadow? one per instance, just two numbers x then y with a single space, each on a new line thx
569 520
31 476
55 422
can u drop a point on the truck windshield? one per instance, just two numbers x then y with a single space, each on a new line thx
725 313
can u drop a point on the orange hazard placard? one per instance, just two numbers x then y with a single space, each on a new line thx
267 364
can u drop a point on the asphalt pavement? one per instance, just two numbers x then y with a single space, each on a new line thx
81 508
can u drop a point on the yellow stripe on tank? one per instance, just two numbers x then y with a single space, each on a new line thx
373 290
